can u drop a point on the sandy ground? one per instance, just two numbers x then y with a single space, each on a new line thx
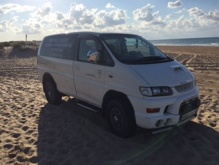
35 132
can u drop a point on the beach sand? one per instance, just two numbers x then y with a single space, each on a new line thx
35 132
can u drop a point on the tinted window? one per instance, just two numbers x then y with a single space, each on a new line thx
60 46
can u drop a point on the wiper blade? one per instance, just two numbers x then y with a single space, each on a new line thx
151 58
148 60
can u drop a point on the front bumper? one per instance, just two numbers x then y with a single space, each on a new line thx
172 109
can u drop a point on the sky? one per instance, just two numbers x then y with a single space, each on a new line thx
152 19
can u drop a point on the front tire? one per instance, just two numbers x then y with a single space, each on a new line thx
53 96
121 118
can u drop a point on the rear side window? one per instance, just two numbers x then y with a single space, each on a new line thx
60 46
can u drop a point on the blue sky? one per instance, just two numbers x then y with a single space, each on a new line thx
153 19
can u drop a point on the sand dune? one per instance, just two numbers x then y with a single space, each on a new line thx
35 132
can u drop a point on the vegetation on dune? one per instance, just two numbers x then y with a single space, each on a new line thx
4 44
20 45
18 49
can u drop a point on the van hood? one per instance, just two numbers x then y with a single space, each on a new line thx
164 74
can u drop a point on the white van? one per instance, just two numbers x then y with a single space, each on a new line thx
123 75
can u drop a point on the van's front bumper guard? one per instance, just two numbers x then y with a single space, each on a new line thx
188 111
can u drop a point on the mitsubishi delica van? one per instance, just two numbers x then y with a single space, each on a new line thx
122 75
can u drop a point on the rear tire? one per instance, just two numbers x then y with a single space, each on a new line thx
121 118
53 96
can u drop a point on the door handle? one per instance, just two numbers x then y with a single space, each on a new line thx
99 73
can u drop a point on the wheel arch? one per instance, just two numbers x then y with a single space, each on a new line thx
115 95
48 77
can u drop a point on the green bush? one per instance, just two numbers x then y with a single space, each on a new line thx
1 45
18 44
4 44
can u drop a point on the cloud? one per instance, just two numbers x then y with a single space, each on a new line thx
77 10
41 20
32 26
1 28
195 11
180 11
144 13
183 22
44 10
169 16
82 16
59 16
13 21
147 17
175 4
9 24
38 21
213 15
10 7
202 18
3 25
112 18
210 18
110 6
104 19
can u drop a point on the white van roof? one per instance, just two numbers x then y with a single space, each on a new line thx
90 32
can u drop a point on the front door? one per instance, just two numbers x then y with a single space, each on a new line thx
89 71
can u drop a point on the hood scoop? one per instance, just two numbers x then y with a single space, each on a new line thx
177 67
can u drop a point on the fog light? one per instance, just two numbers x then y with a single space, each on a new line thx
168 121
152 110
159 123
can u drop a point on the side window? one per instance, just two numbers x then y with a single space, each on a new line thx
60 46
89 51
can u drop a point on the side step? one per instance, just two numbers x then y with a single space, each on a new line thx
88 106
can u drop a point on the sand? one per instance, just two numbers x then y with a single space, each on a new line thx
35 132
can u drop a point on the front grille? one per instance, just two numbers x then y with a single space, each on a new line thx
184 87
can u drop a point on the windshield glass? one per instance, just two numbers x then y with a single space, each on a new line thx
133 49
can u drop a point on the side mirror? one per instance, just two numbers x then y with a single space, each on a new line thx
93 56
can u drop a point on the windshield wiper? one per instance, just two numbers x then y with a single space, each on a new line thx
153 59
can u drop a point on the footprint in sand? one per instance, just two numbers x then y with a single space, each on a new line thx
16 135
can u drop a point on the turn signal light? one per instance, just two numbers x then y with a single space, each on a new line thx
152 110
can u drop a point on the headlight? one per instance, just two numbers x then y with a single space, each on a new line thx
156 91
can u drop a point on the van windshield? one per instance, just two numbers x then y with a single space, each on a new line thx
133 49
